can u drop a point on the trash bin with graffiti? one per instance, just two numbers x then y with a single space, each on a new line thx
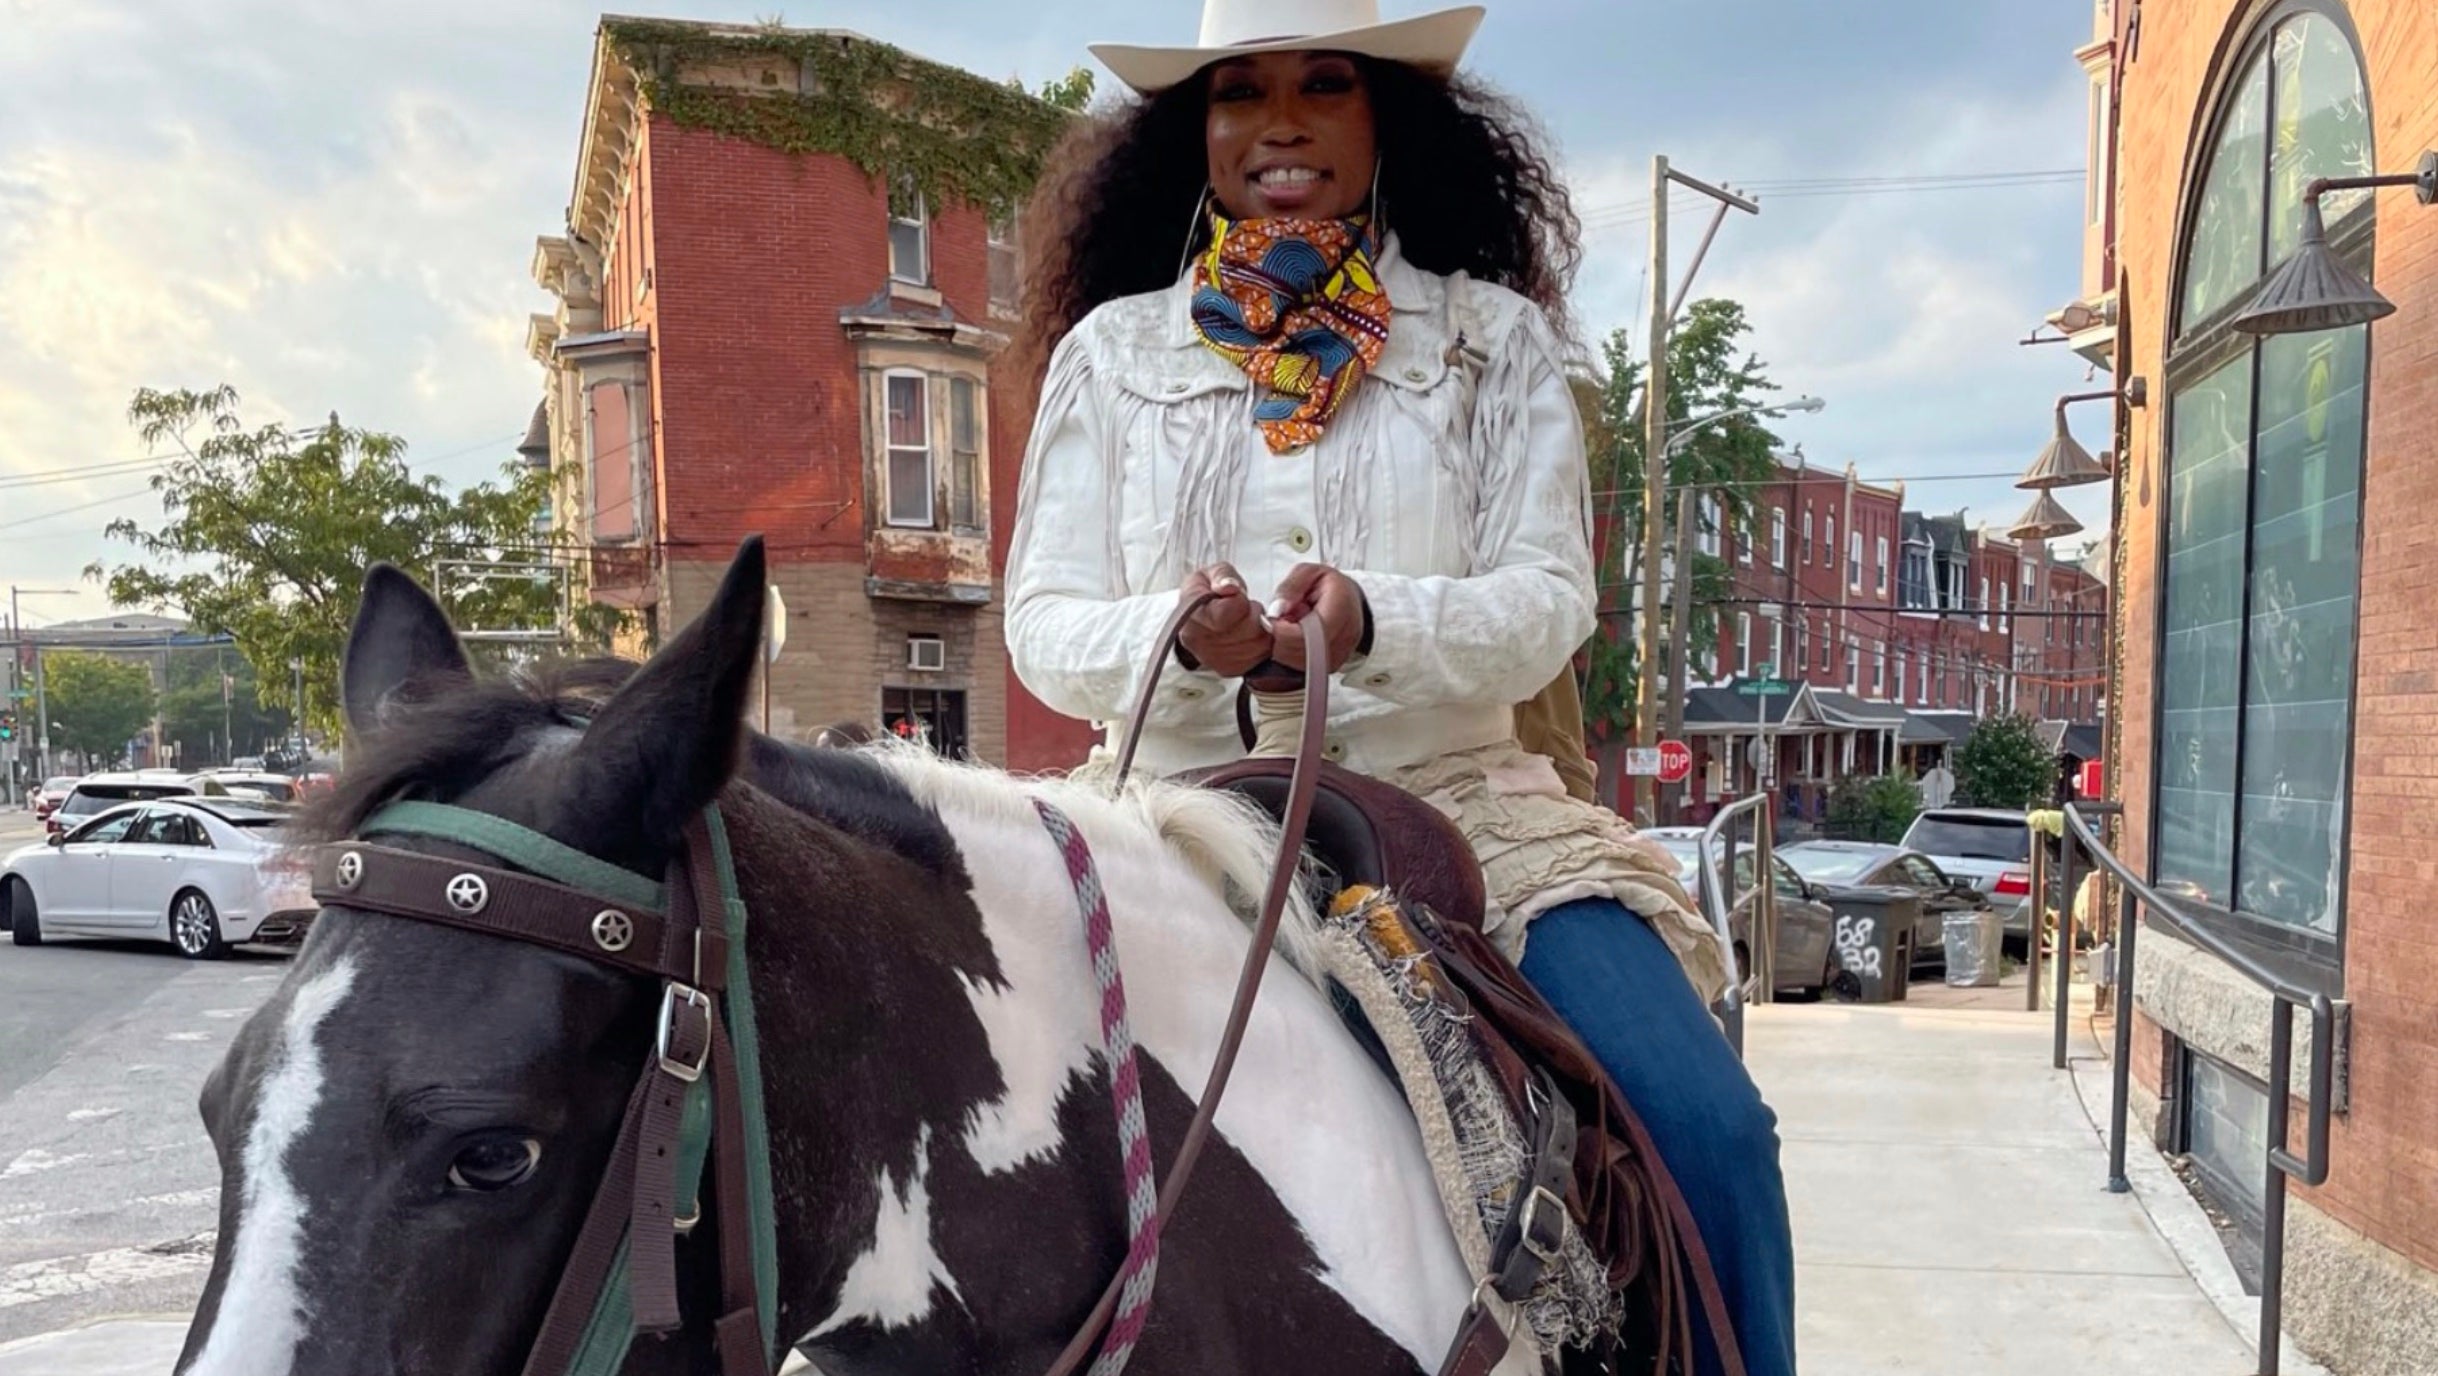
1875 943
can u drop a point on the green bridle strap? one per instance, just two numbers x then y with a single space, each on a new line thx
759 1192
611 1330
522 847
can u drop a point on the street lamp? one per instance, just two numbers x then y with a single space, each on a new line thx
2312 289
2063 462
42 701
1688 429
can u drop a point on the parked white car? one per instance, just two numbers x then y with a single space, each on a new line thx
202 874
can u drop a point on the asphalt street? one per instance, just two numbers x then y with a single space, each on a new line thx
108 1190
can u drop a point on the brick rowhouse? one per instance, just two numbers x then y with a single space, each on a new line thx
754 340
2278 689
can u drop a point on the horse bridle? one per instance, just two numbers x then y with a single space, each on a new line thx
698 1100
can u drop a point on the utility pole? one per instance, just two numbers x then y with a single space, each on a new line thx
1654 490
1647 709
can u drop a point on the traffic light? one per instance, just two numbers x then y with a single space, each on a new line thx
8 726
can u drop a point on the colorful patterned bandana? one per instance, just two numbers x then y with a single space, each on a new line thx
1297 305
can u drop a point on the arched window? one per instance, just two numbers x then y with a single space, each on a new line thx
2263 501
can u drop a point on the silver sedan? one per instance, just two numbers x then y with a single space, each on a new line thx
202 874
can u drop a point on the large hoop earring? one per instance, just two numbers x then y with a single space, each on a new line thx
1193 229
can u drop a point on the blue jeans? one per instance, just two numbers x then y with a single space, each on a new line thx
1611 977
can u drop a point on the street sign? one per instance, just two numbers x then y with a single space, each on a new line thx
1642 762
1765 688
1675 762
774 627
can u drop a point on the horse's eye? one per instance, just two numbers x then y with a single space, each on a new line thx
495 1163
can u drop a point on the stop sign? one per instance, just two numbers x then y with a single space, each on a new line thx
1675 762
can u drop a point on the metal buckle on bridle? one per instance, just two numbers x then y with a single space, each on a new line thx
671 996
1544 1225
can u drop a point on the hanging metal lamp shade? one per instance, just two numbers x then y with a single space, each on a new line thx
2063 462
2044 520
2312 289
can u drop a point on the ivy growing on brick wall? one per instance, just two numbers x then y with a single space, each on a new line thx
954 136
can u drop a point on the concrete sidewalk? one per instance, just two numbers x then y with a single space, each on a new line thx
1950 1202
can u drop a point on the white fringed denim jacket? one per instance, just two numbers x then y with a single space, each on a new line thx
1451 486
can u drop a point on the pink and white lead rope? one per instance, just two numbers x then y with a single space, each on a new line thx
1125 1095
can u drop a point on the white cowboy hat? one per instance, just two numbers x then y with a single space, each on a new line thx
1238 28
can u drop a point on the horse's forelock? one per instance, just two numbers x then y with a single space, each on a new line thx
441 744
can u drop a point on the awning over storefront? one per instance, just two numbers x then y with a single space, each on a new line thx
1727 711
1935 728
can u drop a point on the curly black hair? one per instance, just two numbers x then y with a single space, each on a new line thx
1463 182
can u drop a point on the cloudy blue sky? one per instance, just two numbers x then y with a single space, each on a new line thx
332 206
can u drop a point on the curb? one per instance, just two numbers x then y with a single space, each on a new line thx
120 1345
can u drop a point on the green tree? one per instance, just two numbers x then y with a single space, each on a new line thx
203 729
267 532
98 704
1873 807
2003 764
1070 92
1710 371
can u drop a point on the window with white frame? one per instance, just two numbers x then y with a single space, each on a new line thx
1883 564
1752 536
2006 606
1777 645
1853 562
1777 537
909 234
964 455
1006 264
1807 532
911 480
1827 641
1982 606
1899 694
1828 547
1743 643
1803 647
1853 666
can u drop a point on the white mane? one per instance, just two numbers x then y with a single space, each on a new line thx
1225 842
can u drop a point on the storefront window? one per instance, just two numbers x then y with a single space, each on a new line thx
2264 473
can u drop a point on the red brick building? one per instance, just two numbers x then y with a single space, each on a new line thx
2278 638
758 334
1879 612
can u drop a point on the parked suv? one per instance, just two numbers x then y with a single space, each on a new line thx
1989 847
97 793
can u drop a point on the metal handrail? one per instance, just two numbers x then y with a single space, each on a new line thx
2138 899
1715 882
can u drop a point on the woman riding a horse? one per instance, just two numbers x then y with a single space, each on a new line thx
1303 309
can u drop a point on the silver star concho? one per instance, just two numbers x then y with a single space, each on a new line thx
351 869
613 930
467 893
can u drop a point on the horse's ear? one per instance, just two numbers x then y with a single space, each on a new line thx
401 635
661 750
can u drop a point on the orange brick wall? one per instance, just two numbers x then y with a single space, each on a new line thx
2384 1179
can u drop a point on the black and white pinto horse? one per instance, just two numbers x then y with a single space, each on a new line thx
409 1131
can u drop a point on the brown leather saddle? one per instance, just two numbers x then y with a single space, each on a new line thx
1593 1150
